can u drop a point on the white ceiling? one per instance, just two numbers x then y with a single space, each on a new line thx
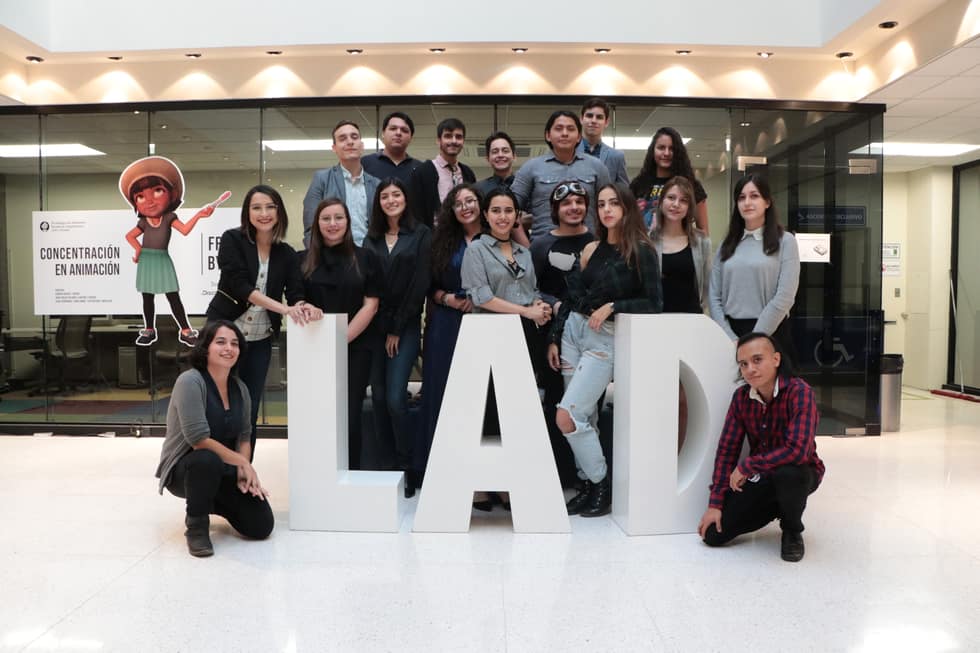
939 102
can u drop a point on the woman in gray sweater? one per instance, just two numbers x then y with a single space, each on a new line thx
757 268
206 452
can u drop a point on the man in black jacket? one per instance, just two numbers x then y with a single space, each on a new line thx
432 180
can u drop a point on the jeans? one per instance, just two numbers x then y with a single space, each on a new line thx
211 487
253 368
389 388
781 494
587 366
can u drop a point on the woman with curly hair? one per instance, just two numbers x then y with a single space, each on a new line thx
666 158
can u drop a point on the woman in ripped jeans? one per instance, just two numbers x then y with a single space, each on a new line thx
618 273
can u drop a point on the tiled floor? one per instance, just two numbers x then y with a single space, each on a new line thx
91 559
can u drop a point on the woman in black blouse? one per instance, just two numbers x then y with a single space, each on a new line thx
403 247
257 267
342 278
618 273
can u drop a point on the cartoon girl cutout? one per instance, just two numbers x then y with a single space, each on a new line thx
154 187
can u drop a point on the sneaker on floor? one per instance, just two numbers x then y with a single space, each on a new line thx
146 337
792 546
188 337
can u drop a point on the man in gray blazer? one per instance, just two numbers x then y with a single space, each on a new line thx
346 180
595 118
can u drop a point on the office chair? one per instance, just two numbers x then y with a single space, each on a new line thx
72 348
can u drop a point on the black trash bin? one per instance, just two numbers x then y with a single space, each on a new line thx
891 391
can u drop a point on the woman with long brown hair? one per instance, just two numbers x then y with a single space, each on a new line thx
340 277
618 273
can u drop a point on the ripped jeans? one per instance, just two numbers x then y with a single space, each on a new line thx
587 368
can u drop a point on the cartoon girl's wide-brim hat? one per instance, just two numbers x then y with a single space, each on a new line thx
152 166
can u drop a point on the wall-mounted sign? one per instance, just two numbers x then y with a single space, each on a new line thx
84 266
844 216
814 248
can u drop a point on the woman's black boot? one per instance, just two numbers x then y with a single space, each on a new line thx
198 538
600 501
580 500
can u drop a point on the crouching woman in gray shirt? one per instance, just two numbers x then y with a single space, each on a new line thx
757 268
206 452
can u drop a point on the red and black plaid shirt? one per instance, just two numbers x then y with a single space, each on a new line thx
780 433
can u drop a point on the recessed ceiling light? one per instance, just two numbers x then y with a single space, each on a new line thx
519 50
437 50
603 50
888 24
193 55
764 55
274 52
745 123
682 53
354 50
47 149
34 59
163 126
893 148
844 55
114 57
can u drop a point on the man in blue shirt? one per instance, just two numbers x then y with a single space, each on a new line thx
536 179
595 118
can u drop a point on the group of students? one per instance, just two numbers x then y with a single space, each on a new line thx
566 285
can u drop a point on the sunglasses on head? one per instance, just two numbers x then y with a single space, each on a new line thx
568 188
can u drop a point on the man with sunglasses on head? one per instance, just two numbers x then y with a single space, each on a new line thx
535 181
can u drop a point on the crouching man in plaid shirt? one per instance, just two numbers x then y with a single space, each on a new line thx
778 414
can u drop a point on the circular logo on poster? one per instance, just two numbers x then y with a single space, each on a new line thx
44 225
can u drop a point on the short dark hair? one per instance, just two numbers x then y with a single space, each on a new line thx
283 220
597 102
497 135
785 365
340 124
561 113
198 358
450 125
402 116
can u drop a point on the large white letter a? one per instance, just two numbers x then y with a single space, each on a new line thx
522 463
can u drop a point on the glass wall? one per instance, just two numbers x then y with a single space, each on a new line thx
964 349
820 185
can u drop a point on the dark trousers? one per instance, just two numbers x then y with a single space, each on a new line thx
359 362
253 368
780 494
210 487
389 391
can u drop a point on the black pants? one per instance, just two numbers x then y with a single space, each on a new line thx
780 494
359 362
210 487
253 368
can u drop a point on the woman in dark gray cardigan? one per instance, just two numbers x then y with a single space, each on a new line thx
206 452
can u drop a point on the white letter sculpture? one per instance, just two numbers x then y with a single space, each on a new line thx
655 490
323 494
521 463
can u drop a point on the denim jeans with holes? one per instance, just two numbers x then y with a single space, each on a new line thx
587 367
